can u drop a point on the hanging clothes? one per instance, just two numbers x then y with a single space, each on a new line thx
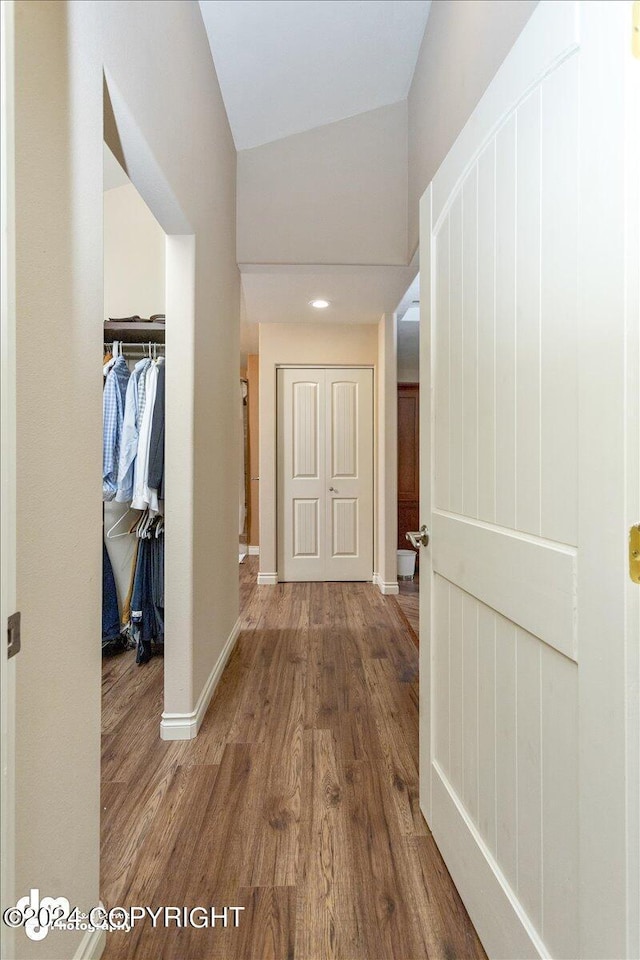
147 601
113 640
130 430
143 495
113 404
156 443
133 473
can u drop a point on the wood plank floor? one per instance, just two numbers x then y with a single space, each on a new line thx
409 602
298 800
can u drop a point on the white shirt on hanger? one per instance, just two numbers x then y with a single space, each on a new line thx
143 496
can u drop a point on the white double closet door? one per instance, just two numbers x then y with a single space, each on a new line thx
325 474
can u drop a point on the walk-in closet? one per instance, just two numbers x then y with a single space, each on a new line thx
133 483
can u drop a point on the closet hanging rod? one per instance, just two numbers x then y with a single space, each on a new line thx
124 344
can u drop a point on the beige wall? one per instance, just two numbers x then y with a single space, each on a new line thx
180 155
463 46
309 343
336 194
133 256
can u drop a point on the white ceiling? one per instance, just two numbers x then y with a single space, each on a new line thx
357 294
286 66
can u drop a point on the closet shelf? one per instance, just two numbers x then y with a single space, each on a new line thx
153 332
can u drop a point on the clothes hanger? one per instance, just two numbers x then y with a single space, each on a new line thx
145 523
118 521
114 356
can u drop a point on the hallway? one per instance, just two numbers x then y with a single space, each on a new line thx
298 800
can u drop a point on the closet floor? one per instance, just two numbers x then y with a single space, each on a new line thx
297 801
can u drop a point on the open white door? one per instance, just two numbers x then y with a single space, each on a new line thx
529 276
8 485
325 474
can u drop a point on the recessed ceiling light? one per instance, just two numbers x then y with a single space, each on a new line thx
319 304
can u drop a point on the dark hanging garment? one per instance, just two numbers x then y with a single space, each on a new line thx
147 602
112 639
156 443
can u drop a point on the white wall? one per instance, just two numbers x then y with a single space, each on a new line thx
409 372
133 256
179 153
318 343
463 46
335 194
408 350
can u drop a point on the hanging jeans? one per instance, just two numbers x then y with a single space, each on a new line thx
110 614
147 601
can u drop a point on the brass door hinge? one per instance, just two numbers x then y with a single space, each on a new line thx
634 553
635 29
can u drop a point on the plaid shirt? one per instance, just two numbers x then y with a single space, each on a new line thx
130 430
113 399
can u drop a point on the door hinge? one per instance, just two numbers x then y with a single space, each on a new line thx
635 29
13 635
634 553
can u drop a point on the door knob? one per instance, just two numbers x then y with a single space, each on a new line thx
418 538
332 490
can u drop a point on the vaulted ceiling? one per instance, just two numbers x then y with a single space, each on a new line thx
315 93
286 66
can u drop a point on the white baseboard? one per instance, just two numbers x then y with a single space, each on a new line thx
254 551
267 579
185 726
92 945
505 929
388 587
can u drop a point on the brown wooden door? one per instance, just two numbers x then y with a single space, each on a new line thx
408 460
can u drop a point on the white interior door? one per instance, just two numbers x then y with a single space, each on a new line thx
325 474
524 652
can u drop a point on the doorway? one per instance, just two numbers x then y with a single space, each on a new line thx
325 473
409 501
408 443
133 605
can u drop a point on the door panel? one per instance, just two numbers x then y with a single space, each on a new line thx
325 474
344 433
306 431
349 483
306 528
518 681
301 455
344 527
